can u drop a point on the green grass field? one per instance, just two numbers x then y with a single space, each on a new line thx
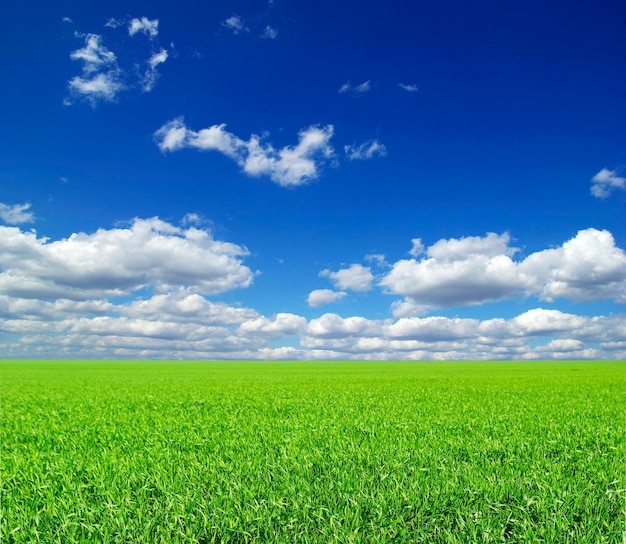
161 452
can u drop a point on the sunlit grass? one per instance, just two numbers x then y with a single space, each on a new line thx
312 452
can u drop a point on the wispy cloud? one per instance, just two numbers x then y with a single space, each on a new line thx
152 75
605 182
408 88
366 150
269 33
113 23
16 214
355 89
94 55
291 165
67 20
149 27
101 77
104 86
236 24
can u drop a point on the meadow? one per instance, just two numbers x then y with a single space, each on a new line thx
199 452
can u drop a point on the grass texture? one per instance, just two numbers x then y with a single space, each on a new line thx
199 452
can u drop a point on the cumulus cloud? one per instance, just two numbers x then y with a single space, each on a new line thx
321 297
356 277
605 182
269 33
366 150
457 272
361 88
149 27
16 214
143 290
184 324
588 267
236 24
474 270
334 326
408 88
291 165
150 253
543 322
408 308
439 337
185 306
282 324
433 329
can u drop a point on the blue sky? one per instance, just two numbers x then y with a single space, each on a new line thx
272 179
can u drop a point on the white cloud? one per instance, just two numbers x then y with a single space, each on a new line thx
335 326
361 88
433 329
152 75
67 20
366 150
171 136
236 24
101 77
282 324
269 33
192 219
183 324
408 308
94 55
185 306
457 272
418 247
474 270
587 267
321 297
455 338
113 23
149 27
377 259
143 291
103 86
16 214
605 182
158 58
150 253
492 245
287 166
356 277
408 88
545 322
